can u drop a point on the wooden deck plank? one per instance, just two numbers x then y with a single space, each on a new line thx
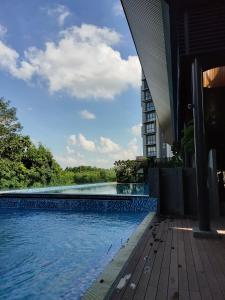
191 270
210 274
143 272
210 260
182 266
136 257
195 296
178 267
217 258
173 291
154 278
199 267
214 259
162 289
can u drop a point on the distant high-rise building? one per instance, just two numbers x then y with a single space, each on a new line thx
153 141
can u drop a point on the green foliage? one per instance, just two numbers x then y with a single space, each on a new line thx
176 160
178 149
22 164
87 174
9 124
130 171
187 141
125 171
12 174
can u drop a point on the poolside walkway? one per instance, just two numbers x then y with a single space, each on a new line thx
170 264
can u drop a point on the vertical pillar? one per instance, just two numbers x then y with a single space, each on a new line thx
201 161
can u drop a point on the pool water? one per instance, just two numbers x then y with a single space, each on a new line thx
111 188
57 255
107 188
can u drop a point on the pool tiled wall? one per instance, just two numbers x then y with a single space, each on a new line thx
79 203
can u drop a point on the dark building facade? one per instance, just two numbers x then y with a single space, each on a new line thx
181 46
152 136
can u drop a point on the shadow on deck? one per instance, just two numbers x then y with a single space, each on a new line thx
170 263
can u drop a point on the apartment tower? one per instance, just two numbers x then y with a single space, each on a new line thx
153 141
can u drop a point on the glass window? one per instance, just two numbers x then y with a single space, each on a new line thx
150 117
151 139
151 151
147 95
149 106
150 128
145 85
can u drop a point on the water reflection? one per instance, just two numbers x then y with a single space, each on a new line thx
132 189
108 189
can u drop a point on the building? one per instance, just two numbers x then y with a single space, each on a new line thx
153 142
181 47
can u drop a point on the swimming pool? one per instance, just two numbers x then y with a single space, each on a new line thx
57 255
108 188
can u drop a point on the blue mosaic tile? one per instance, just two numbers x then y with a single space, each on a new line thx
80 203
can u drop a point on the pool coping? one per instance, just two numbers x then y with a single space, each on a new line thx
106 281
72 196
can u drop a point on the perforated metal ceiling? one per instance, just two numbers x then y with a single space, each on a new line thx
145 18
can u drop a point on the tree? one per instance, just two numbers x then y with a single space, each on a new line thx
9 123
11 141
22 164
126 171
41 166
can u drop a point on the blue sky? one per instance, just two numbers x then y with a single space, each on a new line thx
71 70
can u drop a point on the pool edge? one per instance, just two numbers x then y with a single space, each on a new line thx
99 290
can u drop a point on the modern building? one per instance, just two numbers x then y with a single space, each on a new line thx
181 46
153 140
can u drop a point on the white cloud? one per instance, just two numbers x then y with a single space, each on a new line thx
82 63
101 153
128 153
86 144
102 163
87 115
68 160
9 62
3 31
136 130
72 139
59 11
69 150
106 145
118 9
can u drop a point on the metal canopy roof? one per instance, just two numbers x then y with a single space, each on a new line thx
146 20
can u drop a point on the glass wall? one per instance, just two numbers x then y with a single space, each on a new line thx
151 151
150 139
150 128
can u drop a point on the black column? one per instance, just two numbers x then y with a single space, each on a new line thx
201 157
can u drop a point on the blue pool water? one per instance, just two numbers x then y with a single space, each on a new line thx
111 188
106 188
57 255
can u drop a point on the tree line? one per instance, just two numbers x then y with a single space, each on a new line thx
24 165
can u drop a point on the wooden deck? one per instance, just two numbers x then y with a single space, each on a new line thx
169 263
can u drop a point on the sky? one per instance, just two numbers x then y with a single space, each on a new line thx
71 70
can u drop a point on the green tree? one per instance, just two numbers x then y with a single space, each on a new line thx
125 171
22 164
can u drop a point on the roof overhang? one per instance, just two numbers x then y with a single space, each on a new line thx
147 19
